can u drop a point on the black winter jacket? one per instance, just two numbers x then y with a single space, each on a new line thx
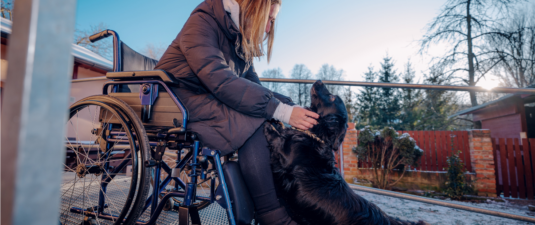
222 92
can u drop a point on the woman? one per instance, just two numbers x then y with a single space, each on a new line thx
212 58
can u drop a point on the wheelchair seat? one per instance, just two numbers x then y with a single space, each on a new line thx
143 75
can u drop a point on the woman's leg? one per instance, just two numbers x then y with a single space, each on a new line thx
254 160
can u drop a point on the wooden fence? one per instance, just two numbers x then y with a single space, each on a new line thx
514 165
437 146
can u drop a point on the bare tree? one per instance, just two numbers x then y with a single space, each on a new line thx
515 48
103 47
465 24
273 86
300 93
154 51
328 72
6 9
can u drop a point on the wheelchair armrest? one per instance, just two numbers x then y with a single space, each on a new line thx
177 130
141 75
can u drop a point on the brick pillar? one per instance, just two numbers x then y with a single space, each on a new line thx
349 157
483 162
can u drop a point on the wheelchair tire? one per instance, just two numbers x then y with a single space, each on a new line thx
104 139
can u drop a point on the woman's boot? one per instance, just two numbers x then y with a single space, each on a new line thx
277 216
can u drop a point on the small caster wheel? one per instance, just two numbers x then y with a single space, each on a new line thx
89 221
168 205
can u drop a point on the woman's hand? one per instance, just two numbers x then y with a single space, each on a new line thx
302 118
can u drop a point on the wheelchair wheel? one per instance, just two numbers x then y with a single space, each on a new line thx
104 174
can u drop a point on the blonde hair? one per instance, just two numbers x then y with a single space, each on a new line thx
253 18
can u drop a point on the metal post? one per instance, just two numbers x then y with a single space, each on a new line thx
34 112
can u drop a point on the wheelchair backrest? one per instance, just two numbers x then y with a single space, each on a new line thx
133 72
132 60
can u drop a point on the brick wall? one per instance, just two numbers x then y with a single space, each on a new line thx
350 170
481 156
483 162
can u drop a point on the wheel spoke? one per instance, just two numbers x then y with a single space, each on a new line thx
91 161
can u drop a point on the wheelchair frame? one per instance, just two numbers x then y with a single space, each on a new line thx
174 138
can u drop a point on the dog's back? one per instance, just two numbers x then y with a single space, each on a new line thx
312 187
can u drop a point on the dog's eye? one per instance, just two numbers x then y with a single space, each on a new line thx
332 98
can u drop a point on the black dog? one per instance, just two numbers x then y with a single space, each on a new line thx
303 164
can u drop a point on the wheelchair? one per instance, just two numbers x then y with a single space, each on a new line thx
118 168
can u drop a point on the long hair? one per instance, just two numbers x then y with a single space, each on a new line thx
253 18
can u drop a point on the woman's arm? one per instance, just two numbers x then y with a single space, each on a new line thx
253 76
199 43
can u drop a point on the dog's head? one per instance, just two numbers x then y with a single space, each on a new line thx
332 124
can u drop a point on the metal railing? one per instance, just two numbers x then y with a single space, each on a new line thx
382 85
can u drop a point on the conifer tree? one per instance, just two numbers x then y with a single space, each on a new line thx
367 102
389 99
438 105
410 101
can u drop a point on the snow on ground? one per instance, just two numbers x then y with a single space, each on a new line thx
433 214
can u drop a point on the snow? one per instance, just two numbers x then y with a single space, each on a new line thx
418 148
433 214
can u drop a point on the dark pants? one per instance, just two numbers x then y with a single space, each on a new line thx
254 160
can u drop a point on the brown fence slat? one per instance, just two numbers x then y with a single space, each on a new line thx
496 172
437 150
505 169
447 148
498 168
459 142
520 170
441 156
421 144
431 149
466 147
527 170
414 136
532 153
512 172
450 143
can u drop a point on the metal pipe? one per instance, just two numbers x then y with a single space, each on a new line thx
34 110
414 86
89 79
442 203
382 85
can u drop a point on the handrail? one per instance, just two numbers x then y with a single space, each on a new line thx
442 203
382 85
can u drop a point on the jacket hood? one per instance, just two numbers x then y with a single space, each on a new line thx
216 9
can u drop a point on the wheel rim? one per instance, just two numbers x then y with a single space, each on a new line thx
87 163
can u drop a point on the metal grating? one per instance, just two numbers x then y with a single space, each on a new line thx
213 214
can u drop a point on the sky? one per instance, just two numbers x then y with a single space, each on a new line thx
348 34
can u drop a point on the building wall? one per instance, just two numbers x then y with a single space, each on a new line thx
505 119
3 63
88 73
504 127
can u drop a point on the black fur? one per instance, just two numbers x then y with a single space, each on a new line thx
304 171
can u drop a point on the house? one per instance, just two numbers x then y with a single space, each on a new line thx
511 116
87 64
